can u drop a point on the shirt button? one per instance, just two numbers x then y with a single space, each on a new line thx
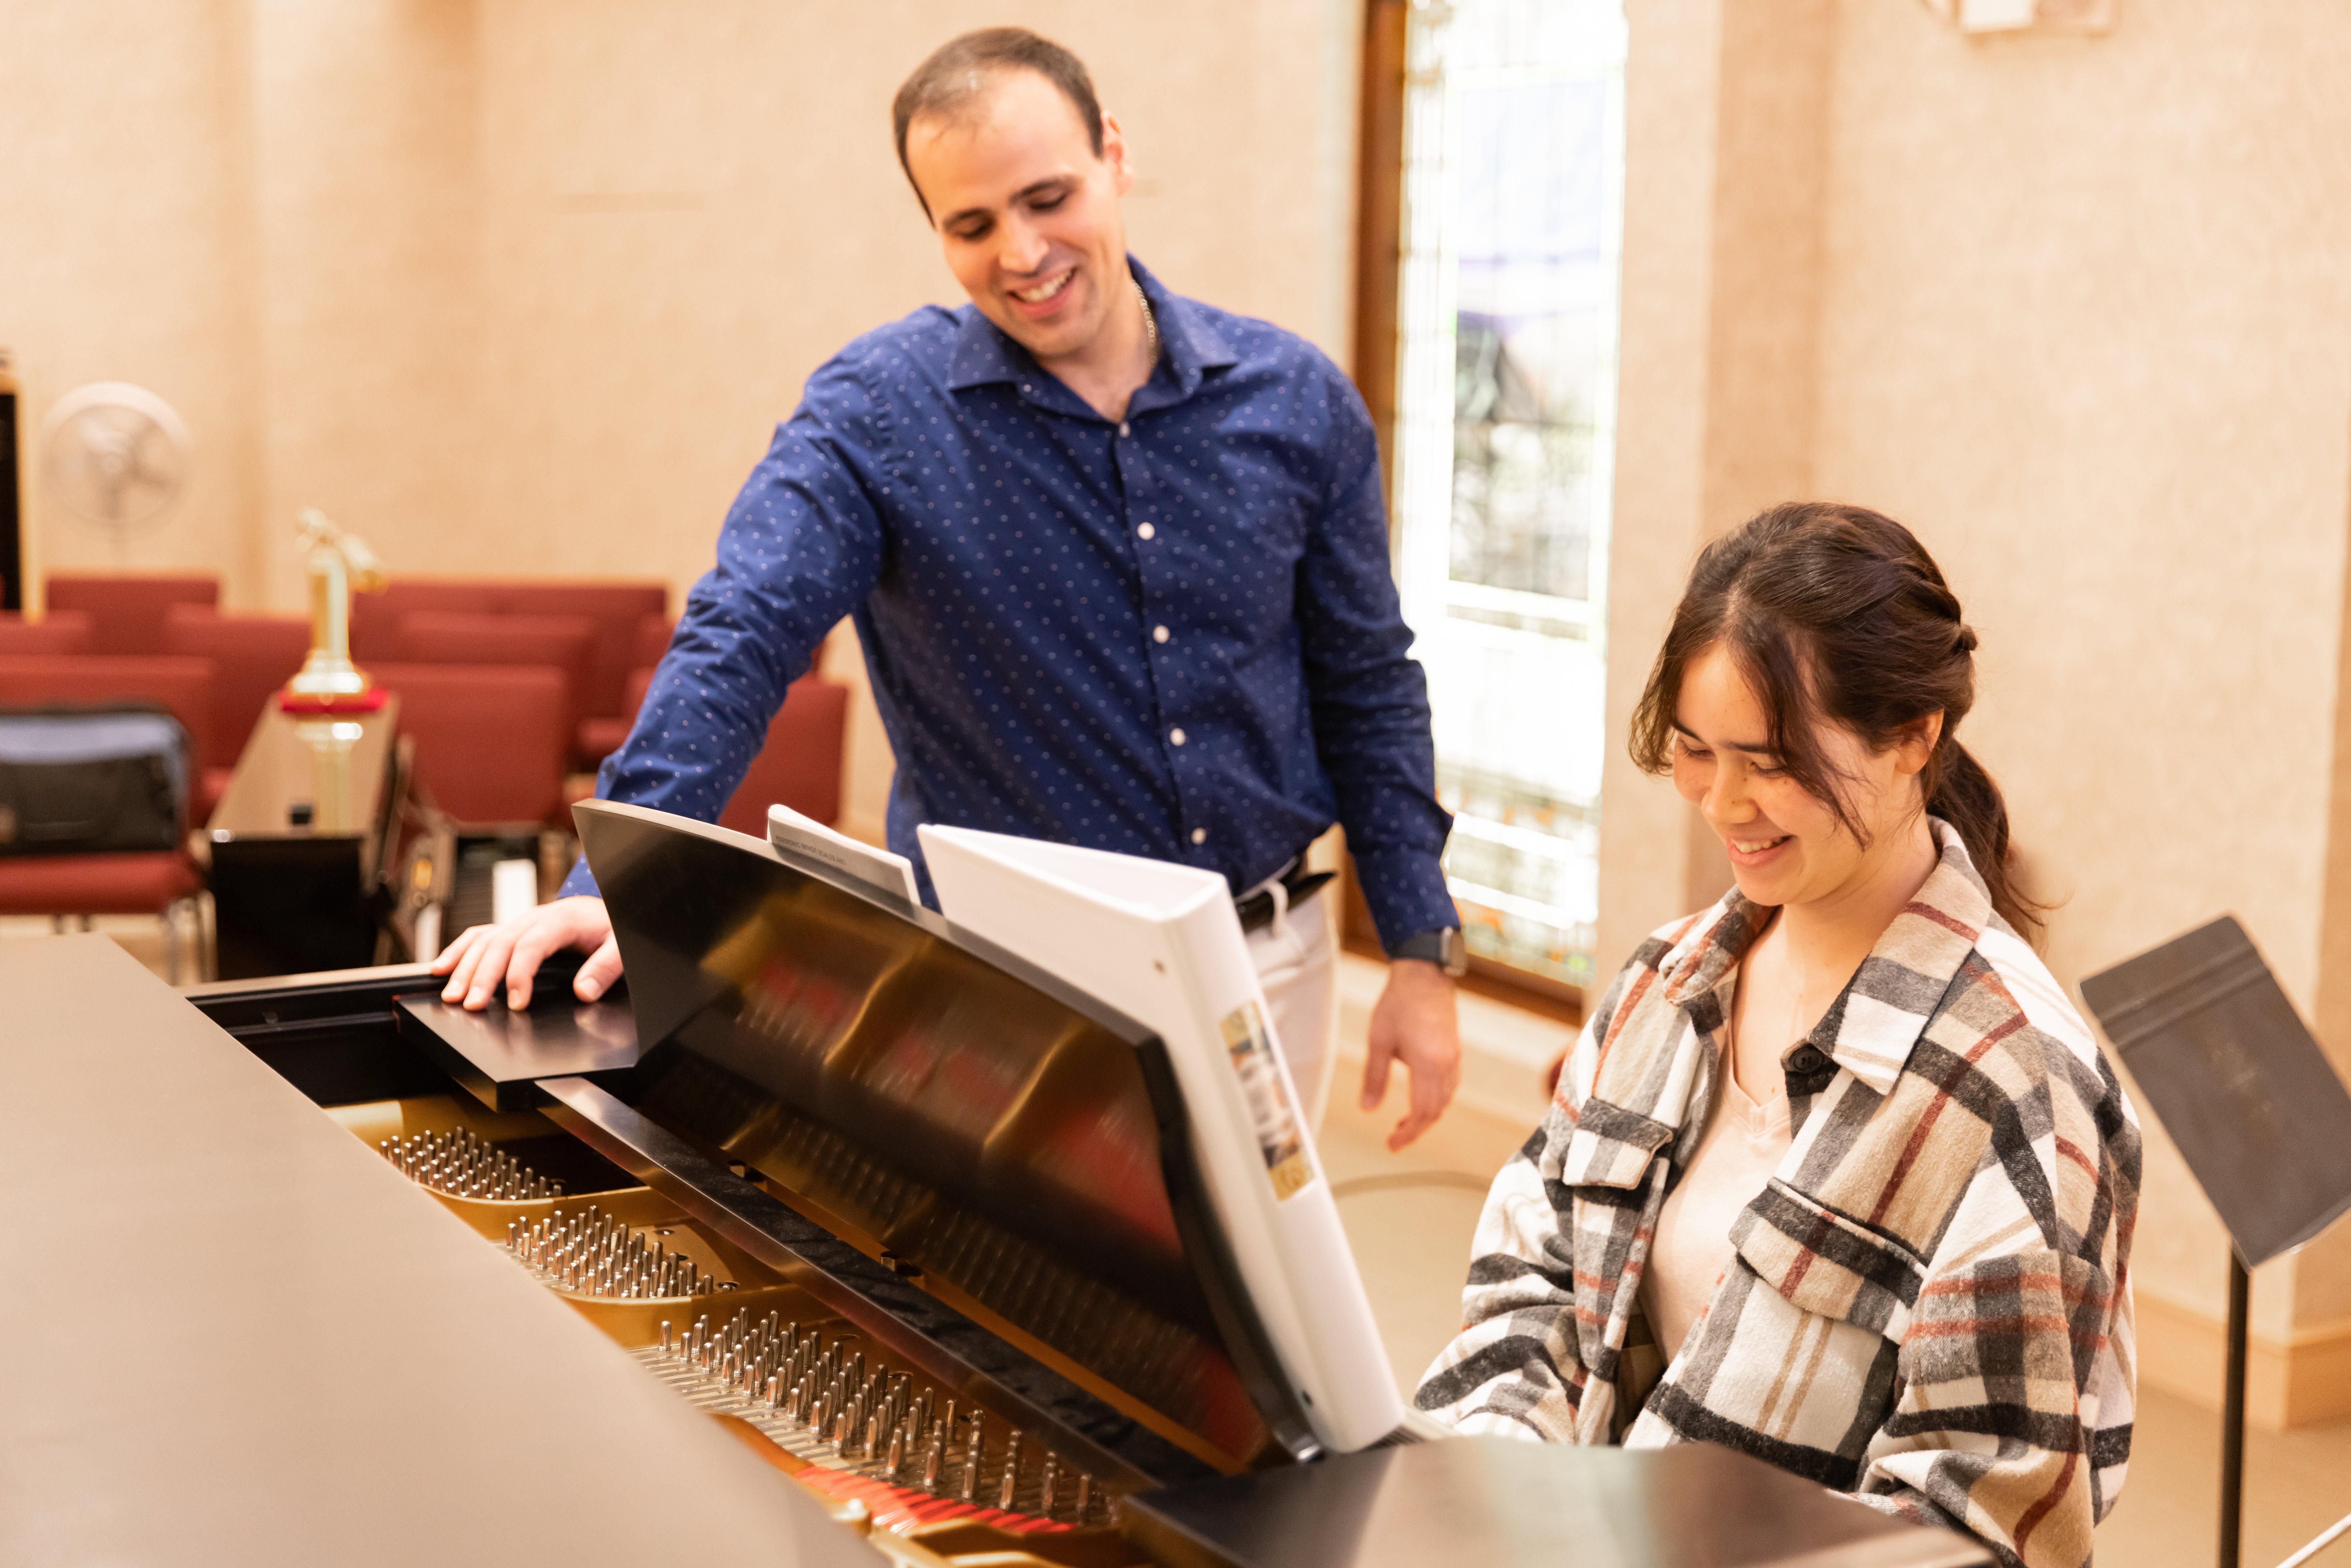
1175 737
1122 427
1199 835
1159 633
1145 532
1804 1060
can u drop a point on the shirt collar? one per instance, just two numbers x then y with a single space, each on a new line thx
1870 1030
1190 347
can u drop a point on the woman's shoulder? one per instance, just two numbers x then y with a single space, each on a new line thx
2044 1035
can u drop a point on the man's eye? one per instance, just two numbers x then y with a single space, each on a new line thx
1697 753
1047 203
972 230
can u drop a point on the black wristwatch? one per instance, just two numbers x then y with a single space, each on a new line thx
1442 948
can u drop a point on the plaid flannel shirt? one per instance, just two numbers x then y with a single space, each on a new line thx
1927 1305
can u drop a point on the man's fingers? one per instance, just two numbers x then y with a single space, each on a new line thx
1377 1059
489 966
532 943
469 948
596 975
447 957
1431 1091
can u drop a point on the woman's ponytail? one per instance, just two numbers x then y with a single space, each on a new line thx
1961 793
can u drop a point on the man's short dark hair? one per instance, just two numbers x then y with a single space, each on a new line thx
961 69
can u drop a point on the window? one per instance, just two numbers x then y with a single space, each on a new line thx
1512 218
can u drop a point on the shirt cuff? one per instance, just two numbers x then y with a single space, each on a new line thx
1406 889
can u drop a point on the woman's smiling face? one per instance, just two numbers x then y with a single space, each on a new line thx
1787 846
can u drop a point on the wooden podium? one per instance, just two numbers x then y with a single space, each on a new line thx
301 843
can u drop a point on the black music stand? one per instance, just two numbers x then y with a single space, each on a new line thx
2257 1112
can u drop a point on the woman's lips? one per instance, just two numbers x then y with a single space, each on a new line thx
1757 850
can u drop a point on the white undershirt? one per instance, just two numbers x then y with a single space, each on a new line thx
1742 1147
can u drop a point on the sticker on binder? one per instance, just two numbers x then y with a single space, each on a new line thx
1273 1117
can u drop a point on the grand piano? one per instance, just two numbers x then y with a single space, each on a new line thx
841 1235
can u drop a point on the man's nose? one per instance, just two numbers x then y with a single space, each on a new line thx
1024 248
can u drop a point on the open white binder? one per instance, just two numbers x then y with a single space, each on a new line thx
1161 943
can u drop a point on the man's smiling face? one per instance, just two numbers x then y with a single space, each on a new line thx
1026 213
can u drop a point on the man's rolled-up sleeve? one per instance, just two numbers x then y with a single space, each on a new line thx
1369 697
801 547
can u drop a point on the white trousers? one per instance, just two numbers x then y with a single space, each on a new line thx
1296 958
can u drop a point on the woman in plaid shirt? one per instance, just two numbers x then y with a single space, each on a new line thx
1834 1176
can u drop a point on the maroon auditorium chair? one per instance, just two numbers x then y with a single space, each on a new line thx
61 631
252 656
564 644
375 617
616 609
150 881
490 746
127 613
600 735
798 767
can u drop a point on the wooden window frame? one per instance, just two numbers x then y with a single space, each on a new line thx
1379 263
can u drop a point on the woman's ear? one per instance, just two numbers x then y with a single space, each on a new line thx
1916 743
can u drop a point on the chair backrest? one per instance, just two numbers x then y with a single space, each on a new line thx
564 644
182 686
801 765
127 613
61 631
616 608
654 634
375 617
490 738
252 657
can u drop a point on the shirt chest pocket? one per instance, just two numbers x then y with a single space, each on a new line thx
1611 1147
1826 1263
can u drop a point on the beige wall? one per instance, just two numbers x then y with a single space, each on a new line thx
525 286
2078 310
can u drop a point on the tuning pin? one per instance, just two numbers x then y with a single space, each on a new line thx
1010 1487
897 1456
1082 1503
1048 1483
932 1456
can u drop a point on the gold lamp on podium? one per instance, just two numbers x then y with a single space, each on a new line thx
332 699
339 563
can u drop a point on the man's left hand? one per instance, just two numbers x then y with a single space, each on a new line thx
1415 1024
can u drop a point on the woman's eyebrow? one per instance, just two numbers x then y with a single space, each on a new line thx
1754 749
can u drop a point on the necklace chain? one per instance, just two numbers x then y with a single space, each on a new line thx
1150 319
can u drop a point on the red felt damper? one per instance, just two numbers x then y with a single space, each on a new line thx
901 1509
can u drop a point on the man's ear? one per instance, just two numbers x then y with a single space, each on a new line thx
1122 171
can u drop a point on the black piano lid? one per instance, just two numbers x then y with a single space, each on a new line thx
1002 1136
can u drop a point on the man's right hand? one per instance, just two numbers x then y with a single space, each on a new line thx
483 956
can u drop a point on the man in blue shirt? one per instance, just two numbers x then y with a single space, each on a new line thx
1118 563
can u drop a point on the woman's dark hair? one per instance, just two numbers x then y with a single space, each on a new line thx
1837 614
962 68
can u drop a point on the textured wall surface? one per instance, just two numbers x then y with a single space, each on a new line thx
525 288
2082 317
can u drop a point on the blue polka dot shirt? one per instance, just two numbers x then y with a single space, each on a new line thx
1175 635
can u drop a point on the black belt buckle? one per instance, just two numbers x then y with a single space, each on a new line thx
1257 910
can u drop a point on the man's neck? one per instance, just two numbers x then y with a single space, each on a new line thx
1108 371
